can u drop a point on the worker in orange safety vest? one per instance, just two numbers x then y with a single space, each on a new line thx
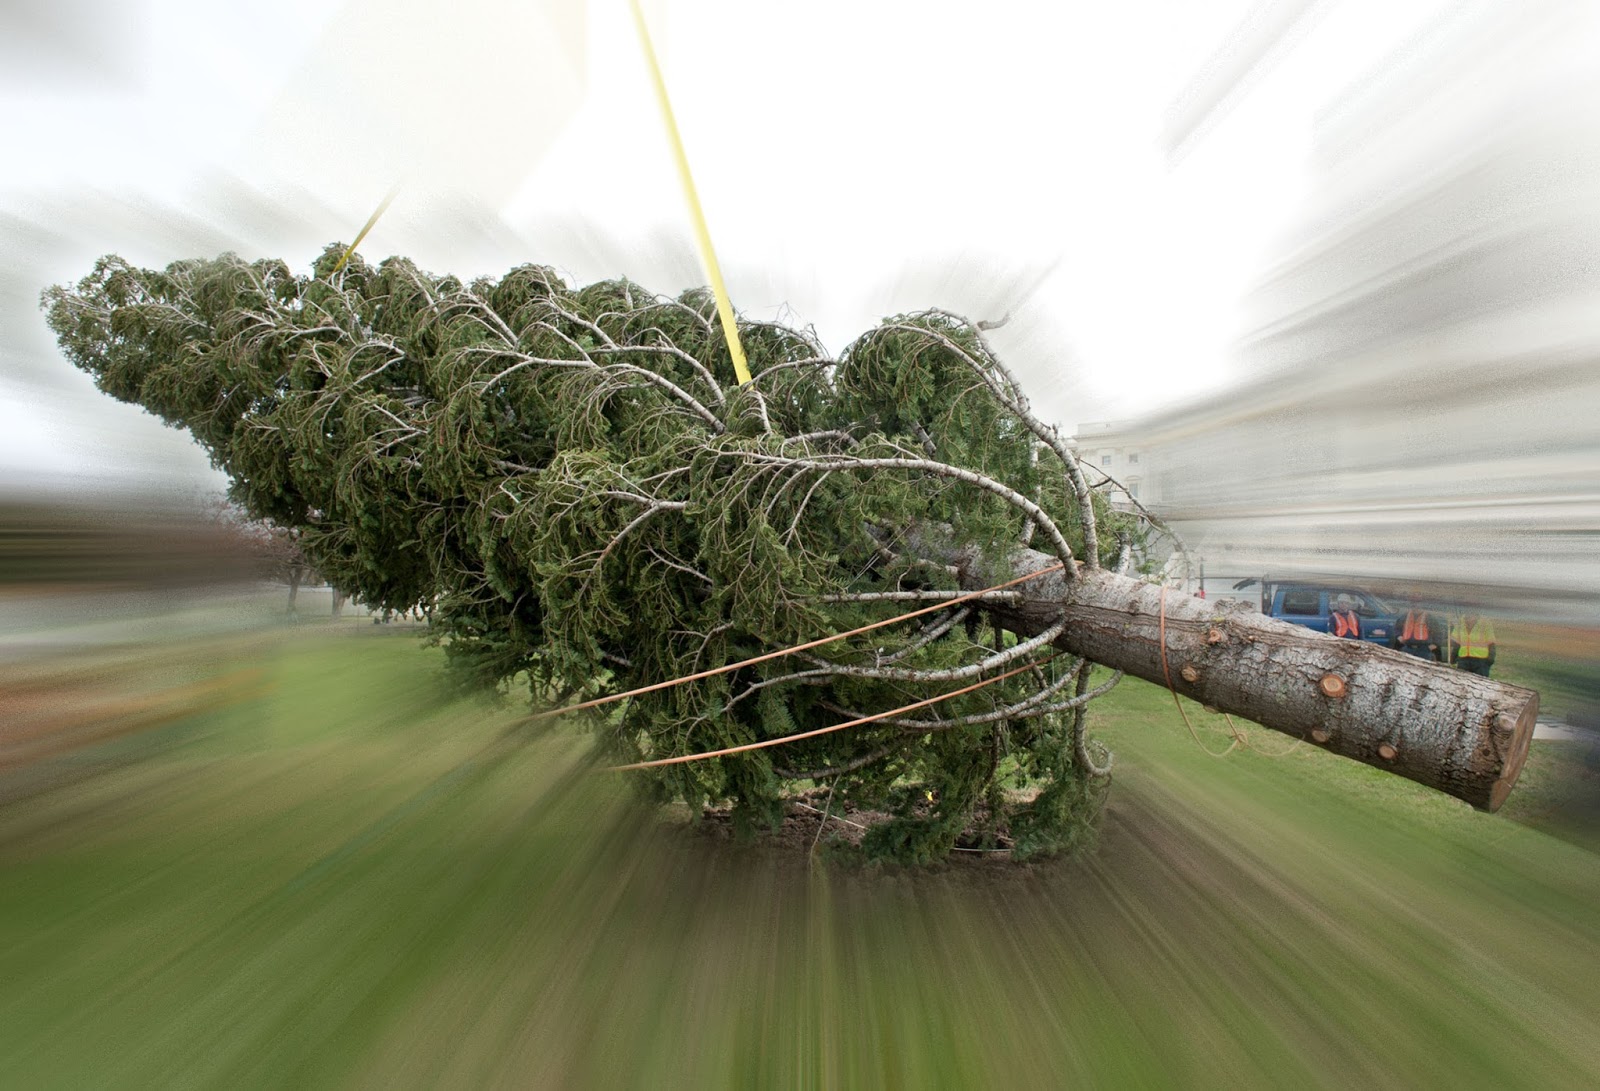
1418 633
1472 644
1344 622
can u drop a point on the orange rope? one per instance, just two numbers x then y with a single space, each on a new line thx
598 701
825 730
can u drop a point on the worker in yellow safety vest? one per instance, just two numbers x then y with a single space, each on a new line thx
1472 644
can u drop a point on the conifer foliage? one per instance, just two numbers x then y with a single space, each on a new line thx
571 480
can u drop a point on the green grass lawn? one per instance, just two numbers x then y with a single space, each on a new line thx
1562 664
351 879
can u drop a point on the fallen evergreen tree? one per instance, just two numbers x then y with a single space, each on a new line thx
567 478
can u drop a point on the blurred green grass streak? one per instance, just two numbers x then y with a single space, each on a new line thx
354 880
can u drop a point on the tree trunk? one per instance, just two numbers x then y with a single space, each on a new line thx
1456 732
294 590
338 604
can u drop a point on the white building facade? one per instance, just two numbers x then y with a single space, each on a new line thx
1116 456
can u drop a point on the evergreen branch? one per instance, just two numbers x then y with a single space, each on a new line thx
1080 737
872 757
835 463
949 674
1009 392
916 596
668 349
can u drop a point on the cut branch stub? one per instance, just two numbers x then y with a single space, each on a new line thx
1332 685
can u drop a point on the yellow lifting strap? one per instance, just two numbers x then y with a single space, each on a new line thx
372 219
708 256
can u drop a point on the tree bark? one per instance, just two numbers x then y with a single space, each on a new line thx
1461 734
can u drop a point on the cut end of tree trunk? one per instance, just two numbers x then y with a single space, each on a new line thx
1517 734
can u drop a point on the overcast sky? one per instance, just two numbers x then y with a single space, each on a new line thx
1116 174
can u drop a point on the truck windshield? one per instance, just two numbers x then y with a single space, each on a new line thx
1304 603
1370 605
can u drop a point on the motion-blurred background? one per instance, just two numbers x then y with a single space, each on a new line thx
1325 267
1315 280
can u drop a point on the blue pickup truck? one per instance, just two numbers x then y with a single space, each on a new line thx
1311 605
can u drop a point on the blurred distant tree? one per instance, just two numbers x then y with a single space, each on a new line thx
275 551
